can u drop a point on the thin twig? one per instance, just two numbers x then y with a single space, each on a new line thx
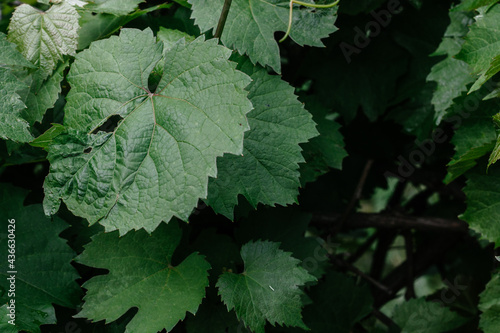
341 263
410 276
383 318
356 195
362 249
222 18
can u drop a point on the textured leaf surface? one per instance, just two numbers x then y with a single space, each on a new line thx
141 275
268 170
10 56
156 162
42 94
268 289
42 261
451 75
337 304
420 316
251 25
45 37
482 45
474 138
489 304
483 211
115 7
12 125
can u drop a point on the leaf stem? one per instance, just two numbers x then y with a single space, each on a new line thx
305 4
222 18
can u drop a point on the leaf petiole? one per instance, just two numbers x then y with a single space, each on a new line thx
305 4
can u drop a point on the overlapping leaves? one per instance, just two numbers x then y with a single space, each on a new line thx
156 162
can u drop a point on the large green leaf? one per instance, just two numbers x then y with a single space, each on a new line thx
251 25
156 162
268 288
267 172
44 275
483 210
141 274
420 316
489 304
45 37
12 125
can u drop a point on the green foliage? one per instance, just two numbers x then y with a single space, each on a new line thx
167 141
304 170
142 275
257 21
44 275
267 289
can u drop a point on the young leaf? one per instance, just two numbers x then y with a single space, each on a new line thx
156 162
10 56
45 37
268 288
264 174
42 262
420 316
251 24
12 125
489 304
141 275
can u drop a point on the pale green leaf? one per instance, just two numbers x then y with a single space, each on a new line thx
468 5
251 25
44 275
141 275
45 37
115 7
420 316
156 162
10 56
268 170
12 125
170 37
47 138
268 289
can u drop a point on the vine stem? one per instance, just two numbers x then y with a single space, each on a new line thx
223 18
305 4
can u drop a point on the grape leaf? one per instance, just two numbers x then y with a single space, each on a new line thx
12 125
420 316
156 162
141 274
483 213
482 45
474 137
42 262
468 5
451 75
264 174
324 151
337 304
115 7
10 56
45 37
268 289
489 304
251 24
